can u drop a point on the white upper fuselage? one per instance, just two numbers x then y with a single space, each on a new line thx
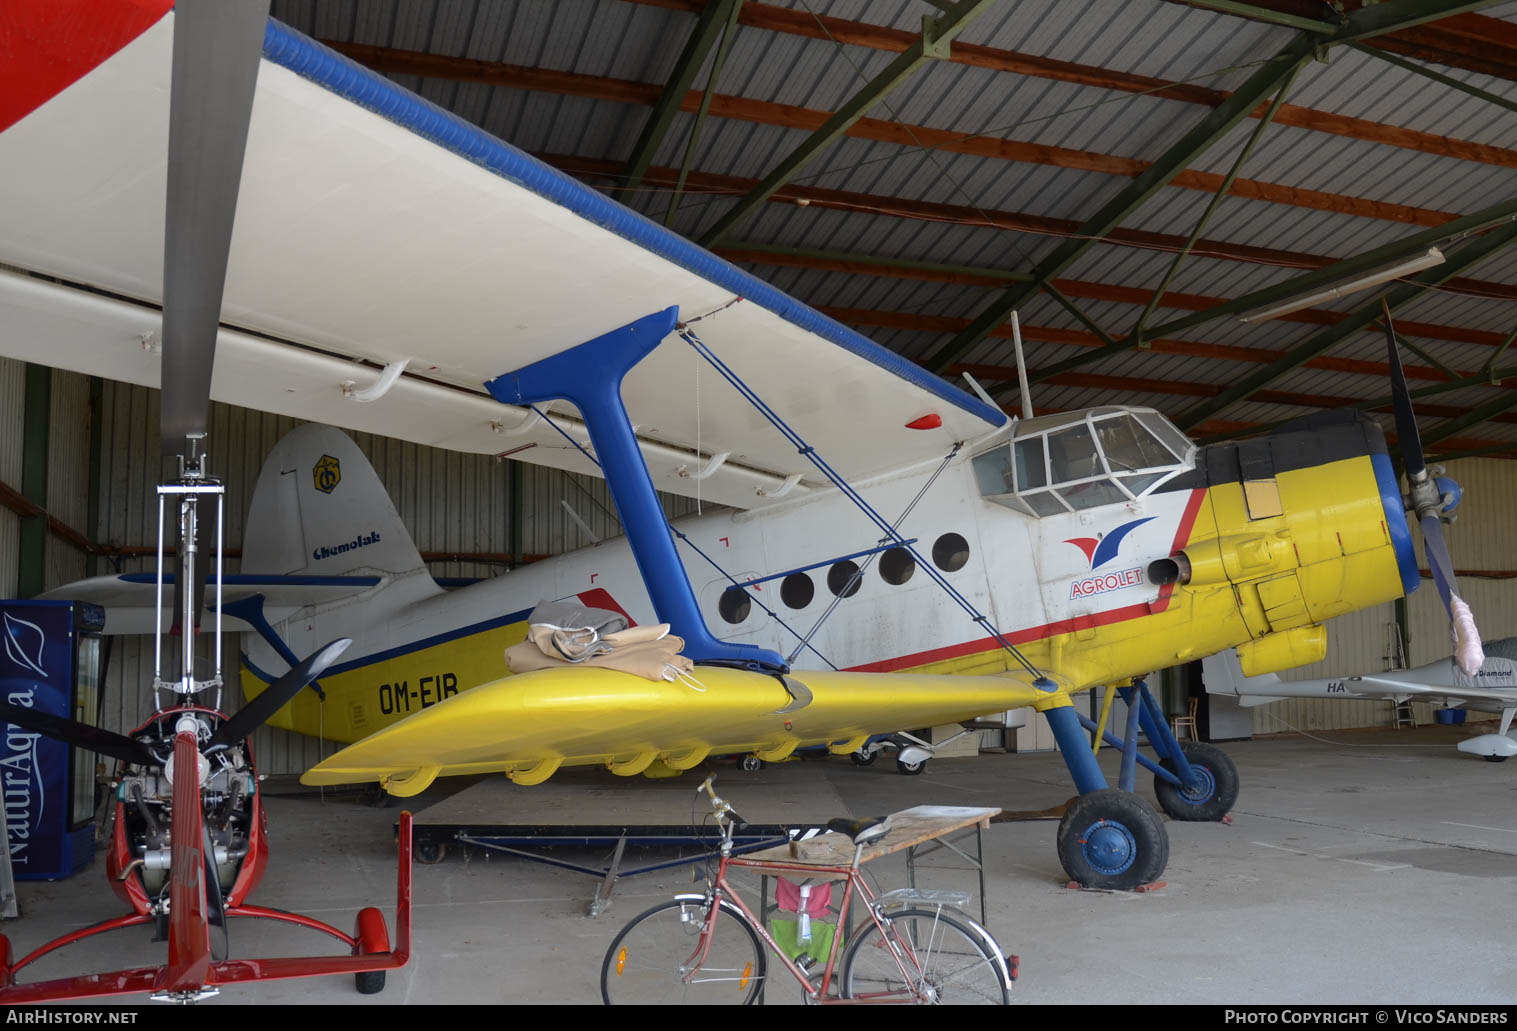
1027 575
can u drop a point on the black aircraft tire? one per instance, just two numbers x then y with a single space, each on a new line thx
429 853
1216 797
1495 758
863 758
907 769
1113 840
370 982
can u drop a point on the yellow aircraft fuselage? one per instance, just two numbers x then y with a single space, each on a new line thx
1263 553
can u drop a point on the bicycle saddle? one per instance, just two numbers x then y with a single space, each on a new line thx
863 832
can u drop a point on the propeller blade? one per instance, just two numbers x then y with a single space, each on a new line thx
1426 500
215 917
217 47
1406 421
72 732
1468 652
252 715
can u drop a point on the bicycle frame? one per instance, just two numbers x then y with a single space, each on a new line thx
721 890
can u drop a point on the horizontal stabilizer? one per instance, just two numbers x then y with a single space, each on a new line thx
128 598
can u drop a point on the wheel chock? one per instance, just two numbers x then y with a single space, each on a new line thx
1142 889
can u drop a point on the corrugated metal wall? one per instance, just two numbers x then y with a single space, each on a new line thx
68 473
12 421
452 503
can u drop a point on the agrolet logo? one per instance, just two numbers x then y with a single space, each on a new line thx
1098 552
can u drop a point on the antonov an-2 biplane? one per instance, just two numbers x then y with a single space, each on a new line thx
396 270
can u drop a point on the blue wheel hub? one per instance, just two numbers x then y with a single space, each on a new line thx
1109 847
1205 786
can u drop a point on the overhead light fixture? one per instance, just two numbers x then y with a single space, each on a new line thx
1422 261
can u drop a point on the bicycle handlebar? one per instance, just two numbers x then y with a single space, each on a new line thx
719 805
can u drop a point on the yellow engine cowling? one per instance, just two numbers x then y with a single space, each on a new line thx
1284 650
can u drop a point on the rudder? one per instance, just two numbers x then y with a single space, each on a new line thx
319 509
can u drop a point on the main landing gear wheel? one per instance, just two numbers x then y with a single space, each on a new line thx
863 757
910 769
1495 758
1213 798
1112 839
751 764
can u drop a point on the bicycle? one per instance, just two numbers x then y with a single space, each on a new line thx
917 953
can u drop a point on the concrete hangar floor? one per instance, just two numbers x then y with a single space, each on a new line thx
1380 868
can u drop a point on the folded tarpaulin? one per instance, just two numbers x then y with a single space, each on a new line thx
647 651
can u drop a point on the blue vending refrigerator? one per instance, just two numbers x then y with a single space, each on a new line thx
51 661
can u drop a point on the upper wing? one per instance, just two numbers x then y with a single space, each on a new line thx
372 228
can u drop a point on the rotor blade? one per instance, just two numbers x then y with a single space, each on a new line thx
217 47
1467 650
72 732
1406 420
252 715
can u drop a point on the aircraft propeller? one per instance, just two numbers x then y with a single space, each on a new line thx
1431 498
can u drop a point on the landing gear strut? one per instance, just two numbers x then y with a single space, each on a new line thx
1111 838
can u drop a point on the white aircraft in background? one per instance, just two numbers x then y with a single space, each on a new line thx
1493 688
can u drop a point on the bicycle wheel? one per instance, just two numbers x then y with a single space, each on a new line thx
945 961
648 961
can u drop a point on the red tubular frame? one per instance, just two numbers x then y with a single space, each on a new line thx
188 937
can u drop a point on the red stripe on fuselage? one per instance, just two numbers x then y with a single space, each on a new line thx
48 45
1063 626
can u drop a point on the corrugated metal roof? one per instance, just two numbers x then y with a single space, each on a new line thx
885 185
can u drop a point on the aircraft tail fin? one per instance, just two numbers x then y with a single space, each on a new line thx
320 510
1223 674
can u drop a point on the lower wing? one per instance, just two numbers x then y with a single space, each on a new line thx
531 724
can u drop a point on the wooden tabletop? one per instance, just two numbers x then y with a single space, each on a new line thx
908 827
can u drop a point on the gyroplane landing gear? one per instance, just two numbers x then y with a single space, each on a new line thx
1111 838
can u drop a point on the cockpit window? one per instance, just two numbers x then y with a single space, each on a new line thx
1178 442
1129 446
1032 463
1079 460
1074 455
